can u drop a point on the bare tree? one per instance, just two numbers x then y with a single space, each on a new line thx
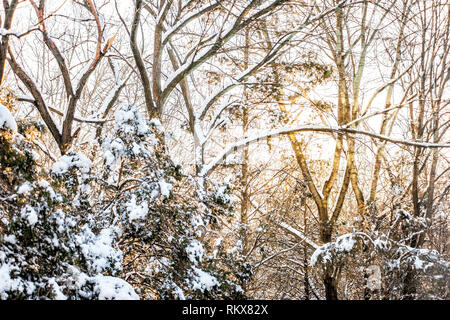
73 92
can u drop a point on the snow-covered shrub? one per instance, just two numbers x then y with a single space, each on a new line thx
161 214
16 154
356 252
71 232
50 246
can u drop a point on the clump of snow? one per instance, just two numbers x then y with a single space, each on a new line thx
62 220
5 32
98 249
221 191
325 253
35 155
117 145
156 265
56 290
197 222
25 188
345 242
165 188
222 194
112 288
137 149
136 211
10 238
397 190
321 253
29 214
203 280
45 185
178 293
109 158
380 244
78 278
195 251
157 124
74 160
132 137
217 244
112 149
418 263
6 282
170 286
129 120
6 119
440 214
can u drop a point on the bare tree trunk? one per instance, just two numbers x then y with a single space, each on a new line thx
330 281
9 13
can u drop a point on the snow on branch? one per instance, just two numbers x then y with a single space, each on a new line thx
207 169
298 234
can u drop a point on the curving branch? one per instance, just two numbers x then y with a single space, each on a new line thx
53 48
233 147
38 99
99 54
